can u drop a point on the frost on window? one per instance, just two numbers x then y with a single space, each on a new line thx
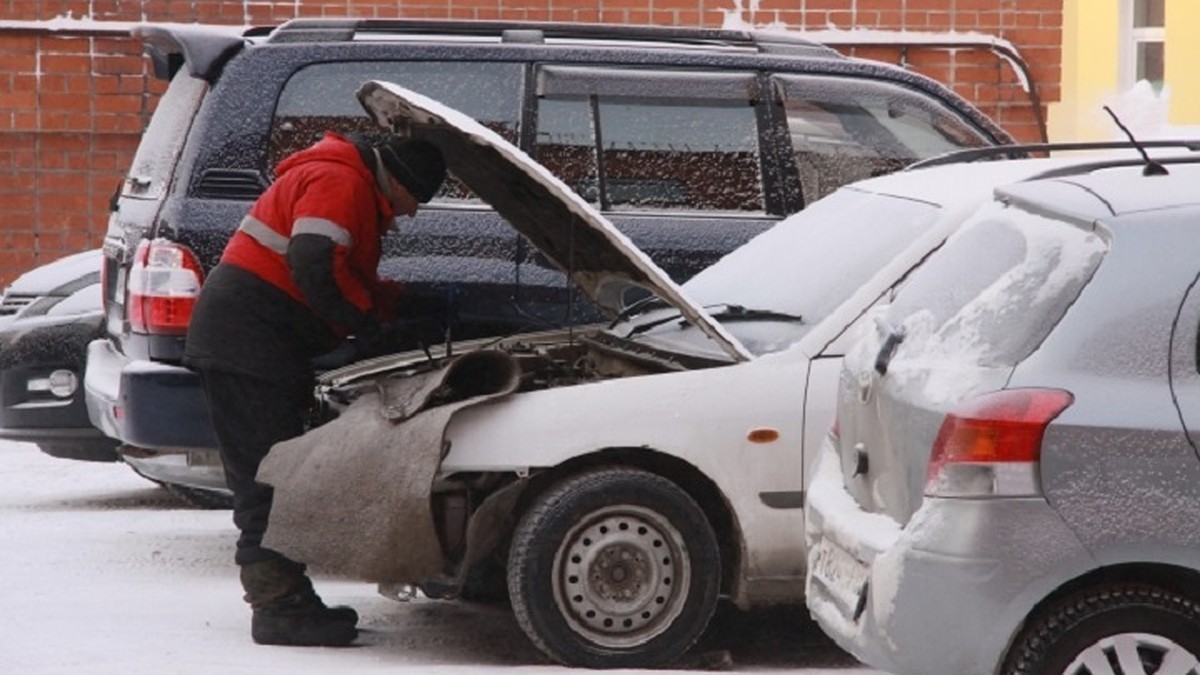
321 97
665 155
641 140
150 170
844 129
809 264
996 289
565 144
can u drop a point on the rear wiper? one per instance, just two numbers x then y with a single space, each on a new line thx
730 312
893 336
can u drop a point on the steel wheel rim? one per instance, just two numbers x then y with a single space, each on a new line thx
621 576
1124 653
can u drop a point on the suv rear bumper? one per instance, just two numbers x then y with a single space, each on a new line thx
146 404
200 470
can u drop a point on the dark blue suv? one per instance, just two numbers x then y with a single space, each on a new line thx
691 141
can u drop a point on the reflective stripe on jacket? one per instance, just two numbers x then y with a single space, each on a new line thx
324 190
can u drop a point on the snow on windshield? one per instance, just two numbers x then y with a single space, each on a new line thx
811 262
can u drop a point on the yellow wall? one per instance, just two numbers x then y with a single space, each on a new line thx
1182 59
1089 70
1092 37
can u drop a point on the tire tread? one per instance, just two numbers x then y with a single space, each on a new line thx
1034 645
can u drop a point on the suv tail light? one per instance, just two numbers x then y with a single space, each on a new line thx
164 282
991 445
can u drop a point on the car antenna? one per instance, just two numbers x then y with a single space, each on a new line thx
1152 167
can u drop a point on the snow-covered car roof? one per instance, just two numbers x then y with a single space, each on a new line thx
68 286
572 234
44 279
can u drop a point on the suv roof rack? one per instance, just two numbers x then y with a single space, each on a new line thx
1022 151
345 30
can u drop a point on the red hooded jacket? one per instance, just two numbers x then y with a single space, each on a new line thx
327 190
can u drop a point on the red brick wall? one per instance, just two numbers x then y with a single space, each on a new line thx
73 100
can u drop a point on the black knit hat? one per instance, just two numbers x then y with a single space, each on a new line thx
417 165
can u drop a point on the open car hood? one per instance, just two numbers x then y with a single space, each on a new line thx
597 256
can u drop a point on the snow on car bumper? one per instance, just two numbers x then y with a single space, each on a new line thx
943 594
146 404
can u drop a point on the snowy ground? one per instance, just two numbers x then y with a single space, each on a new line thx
103 572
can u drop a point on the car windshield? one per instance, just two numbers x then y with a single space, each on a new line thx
771 291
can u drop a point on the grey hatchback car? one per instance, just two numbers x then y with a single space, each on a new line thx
1012 483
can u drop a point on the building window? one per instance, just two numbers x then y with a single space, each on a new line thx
1146 21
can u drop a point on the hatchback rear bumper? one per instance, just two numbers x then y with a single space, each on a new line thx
943 594
146 404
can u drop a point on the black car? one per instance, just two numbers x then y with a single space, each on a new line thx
48 316
691 141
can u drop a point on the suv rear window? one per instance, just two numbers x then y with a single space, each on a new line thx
996 289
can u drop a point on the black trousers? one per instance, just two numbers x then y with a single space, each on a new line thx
250 414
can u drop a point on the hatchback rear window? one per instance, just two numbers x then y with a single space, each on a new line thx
996 289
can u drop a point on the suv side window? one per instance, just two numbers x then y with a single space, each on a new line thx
844 129
322 97
653 140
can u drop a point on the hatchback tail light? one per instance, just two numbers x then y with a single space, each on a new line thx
990 446
163 285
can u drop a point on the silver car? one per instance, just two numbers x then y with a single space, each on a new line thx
1012 483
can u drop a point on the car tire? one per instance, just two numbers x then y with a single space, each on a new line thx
1137 622
201 498
615 568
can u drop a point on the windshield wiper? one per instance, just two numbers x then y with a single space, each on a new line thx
740 313
647 303
730 312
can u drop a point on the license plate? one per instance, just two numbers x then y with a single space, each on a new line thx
841 574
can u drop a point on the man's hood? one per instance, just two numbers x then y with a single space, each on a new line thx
597 256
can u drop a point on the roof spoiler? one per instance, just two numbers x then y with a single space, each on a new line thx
205 51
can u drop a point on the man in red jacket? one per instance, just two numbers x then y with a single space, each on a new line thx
298 275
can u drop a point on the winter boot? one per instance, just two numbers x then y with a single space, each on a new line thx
288 612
